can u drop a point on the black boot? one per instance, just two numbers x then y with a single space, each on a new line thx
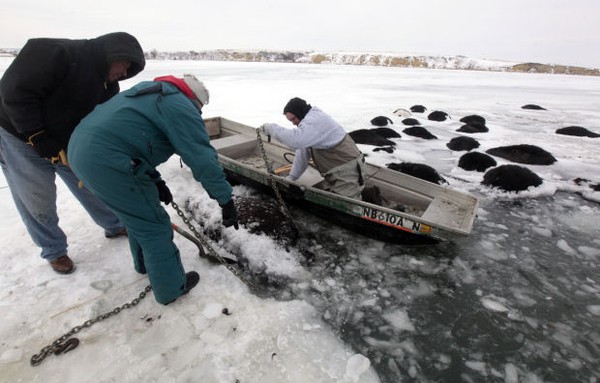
191 280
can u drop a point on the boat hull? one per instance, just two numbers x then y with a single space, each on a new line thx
380 229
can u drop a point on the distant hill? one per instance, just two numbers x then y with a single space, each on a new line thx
357 58
373 59
7 52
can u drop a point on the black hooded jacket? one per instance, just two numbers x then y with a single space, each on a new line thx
53 83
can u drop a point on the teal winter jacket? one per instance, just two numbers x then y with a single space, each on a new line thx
149 123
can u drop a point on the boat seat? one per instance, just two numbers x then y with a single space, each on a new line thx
231 141
445 212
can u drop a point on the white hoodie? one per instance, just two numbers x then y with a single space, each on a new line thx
316 130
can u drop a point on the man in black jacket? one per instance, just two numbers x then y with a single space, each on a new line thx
48 88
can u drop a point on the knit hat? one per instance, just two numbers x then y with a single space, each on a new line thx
298 107
197 87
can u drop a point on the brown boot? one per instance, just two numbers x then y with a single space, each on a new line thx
63 265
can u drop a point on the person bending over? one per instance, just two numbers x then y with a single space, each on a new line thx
44 93
319 137
115 151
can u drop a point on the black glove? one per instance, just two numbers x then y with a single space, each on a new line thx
230 216
43 144
164 194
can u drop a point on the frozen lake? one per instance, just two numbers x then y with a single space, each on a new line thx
516 301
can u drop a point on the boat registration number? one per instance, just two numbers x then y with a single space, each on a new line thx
394 220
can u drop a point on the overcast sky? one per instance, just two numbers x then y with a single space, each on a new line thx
546 31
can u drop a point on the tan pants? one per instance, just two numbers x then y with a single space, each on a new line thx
344 179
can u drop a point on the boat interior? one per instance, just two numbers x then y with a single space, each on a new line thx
431 202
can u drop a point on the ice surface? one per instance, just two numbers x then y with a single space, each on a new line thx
522 287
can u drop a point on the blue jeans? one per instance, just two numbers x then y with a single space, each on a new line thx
31 180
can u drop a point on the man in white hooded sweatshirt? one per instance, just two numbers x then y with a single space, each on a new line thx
319 137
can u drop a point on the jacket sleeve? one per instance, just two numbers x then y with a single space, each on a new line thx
185 130
33 75
300 163
316 130
303 136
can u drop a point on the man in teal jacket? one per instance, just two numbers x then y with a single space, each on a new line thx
115 151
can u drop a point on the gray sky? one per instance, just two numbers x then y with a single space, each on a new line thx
546 31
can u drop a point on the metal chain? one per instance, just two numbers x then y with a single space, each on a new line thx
272 182
207 246
59 344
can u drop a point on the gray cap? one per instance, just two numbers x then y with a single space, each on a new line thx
197 87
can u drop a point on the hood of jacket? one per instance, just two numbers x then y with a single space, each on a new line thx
121 46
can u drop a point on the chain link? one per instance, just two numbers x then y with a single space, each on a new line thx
59 344
207 245
272 182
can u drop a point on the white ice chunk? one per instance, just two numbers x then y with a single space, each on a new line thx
589 251
511 374
594 309
493 305
399 319
564 246
542 231
476 365
357 365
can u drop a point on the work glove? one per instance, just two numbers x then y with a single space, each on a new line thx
44 145
230 215
164 194
266 129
